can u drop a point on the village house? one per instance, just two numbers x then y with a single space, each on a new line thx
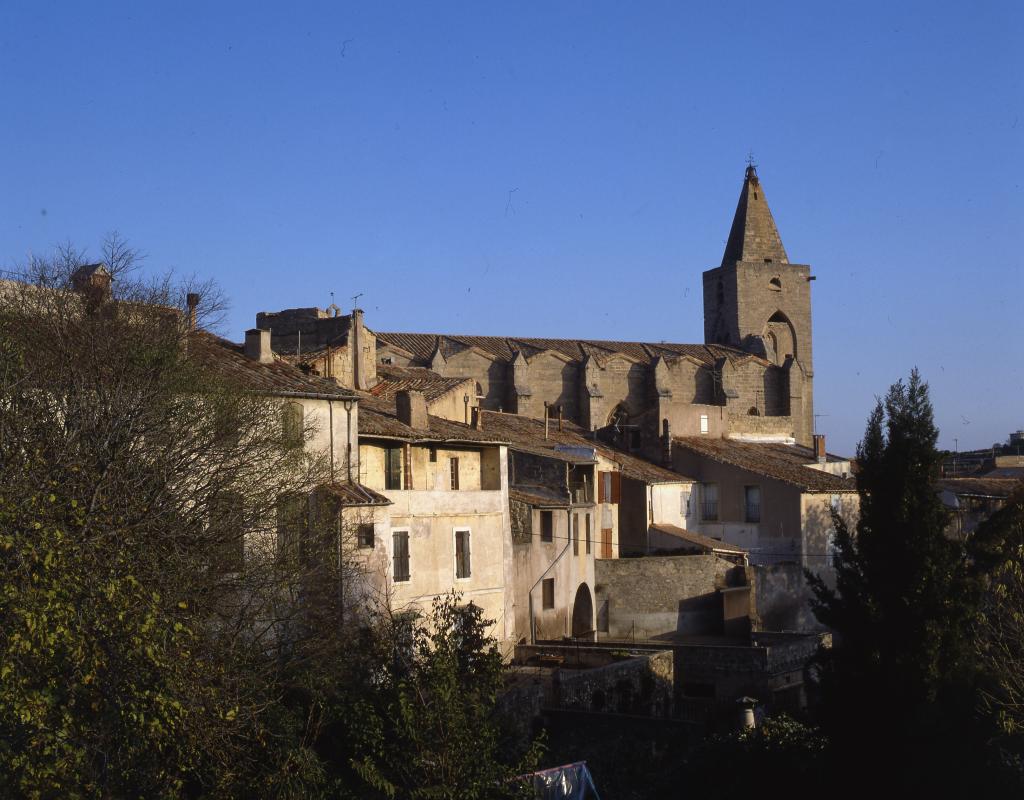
445 527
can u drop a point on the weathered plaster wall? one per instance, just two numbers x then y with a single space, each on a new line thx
679 595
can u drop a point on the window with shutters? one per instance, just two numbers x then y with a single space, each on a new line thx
709 502
587 526
400 555
454 469
605 488
752 503
576 534
606 543
548 593
291 423
291 526
393 468
547 526
364 535
227 532
462 554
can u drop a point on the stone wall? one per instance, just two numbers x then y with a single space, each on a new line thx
783 598
679 595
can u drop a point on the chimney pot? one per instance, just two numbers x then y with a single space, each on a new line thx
257 346
412 409
819 448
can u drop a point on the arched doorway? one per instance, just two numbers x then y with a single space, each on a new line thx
583 612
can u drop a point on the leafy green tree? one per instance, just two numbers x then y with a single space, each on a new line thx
898 689
432 728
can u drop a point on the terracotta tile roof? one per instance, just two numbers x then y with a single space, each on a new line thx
705 543
783 462
352 493
423 346
228 360
378 418
527 435
395 379
981 487
538 496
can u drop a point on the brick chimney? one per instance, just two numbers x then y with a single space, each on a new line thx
412 409
478 418
819 447
257 346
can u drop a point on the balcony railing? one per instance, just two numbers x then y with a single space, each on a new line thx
709 511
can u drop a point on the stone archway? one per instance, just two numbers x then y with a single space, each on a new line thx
583 612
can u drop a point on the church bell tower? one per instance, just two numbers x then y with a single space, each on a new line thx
759 302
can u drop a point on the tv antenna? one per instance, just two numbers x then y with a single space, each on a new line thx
355 299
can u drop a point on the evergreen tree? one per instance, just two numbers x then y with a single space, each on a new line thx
897 688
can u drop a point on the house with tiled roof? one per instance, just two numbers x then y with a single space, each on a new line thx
772 498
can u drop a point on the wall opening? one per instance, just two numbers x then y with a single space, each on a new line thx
583 613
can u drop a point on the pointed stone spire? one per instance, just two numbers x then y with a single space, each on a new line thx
754 237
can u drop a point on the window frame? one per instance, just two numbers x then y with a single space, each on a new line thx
589 527
395 532
361 542
390 469
575 533
747 516
705 503
549 534
547 594
469 552
453 470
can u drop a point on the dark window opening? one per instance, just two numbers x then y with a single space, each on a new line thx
588 532
454 463
433 455
547 526
575 534
393 468
548 593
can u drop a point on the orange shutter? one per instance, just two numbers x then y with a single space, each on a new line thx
600 488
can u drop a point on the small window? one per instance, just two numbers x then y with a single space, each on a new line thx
703 423
752 503
291 525
754 412
709 502
576 534
587 521
433 455
548 593
291 423
227 532
385 359
775 284
400 555
454 467
462 564
547 526
365 535
393 468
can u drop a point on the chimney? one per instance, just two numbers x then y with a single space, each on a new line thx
412 409
257 346
819 447
192 301
92 281
478 419
666 443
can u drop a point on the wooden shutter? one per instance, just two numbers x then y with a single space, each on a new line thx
600 488
616 487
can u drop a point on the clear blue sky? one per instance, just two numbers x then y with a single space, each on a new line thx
549 169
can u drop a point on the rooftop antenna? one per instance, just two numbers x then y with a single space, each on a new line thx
816 421
355 300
